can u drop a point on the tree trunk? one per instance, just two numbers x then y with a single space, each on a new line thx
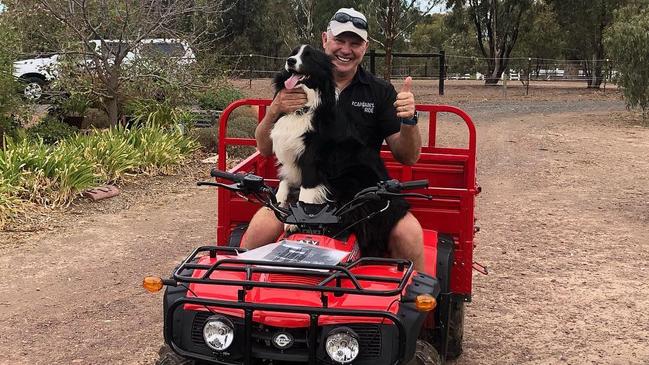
112 105
596 74
387 73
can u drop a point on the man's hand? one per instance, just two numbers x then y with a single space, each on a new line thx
405 103
287 101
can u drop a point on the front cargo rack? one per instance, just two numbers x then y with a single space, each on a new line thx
330 273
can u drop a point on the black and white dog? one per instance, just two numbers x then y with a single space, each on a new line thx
319 152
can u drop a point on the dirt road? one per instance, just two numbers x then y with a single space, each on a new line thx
564 205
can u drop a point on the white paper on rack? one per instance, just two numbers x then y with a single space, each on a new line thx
287 251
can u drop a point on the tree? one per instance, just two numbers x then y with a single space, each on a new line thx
9 46
429 35
395 18
628 43
583 22
497 24
121 26
541 39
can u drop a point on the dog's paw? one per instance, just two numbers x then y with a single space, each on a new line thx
290 228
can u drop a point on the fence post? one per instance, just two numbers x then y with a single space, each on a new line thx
250 70
373 61
442 71
529 76
606 68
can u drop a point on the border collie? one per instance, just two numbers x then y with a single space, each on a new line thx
319 152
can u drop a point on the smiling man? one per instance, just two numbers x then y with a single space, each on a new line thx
378 113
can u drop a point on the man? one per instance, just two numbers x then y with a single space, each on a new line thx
378 112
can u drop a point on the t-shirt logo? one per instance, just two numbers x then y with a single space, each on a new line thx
367 107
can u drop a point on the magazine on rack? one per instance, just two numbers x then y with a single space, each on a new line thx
287 251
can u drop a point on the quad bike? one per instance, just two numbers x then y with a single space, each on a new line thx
310 298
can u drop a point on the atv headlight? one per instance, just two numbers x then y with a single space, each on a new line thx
342 345
218 333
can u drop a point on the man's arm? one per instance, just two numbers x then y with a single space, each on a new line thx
405 144
286 101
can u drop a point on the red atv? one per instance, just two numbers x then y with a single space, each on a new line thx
310 298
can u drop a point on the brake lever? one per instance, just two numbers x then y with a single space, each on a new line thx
407 195
233 187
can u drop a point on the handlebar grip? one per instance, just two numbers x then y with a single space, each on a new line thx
226 175
414 184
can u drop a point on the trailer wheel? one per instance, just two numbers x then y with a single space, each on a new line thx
166 356
456 332
425 354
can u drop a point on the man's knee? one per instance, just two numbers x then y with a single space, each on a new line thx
407 234
264 228
407 241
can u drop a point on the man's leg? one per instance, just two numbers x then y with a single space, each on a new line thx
264 228
407 241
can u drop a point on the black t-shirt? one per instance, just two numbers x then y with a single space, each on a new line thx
368 103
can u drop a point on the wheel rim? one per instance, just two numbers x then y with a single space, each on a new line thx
33 91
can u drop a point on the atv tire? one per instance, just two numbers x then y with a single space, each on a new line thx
425 354
166 356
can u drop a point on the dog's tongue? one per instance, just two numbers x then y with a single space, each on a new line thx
292 81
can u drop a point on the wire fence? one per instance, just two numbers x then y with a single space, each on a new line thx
455 67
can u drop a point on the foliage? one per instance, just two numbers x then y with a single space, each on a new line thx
51 130
219 97
429 35
32 171
108 71
162 114
584 31
75 104
8 96
628 43
43 174
497 24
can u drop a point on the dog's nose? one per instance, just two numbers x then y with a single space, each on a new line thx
291 61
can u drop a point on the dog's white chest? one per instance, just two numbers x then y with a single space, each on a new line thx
287 135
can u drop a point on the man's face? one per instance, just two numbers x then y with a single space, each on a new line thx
347 50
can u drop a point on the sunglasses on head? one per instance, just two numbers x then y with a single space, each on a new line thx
359 23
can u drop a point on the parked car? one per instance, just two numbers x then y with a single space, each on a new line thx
37 73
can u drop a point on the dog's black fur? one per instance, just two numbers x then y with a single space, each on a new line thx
336 157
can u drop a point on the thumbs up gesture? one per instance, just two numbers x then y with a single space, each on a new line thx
405 103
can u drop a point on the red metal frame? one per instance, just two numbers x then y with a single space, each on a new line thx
450 171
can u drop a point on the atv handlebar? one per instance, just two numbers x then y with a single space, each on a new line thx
255 186
414 184
226 175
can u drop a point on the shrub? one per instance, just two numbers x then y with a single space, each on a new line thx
628 41
109 151
153 112
242 127
9 127
219 97
52 175
207 138
48 175
51 130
